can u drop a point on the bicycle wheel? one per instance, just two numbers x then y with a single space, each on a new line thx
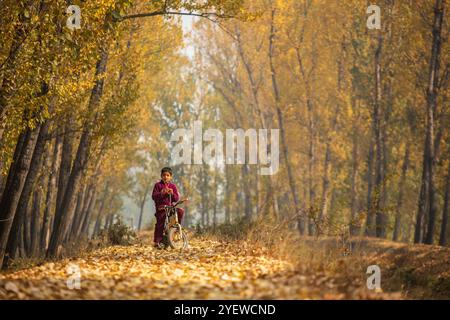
177 238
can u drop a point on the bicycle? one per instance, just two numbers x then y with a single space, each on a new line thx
173 235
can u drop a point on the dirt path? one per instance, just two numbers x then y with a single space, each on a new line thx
209 269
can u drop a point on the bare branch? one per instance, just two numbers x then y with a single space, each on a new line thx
207 15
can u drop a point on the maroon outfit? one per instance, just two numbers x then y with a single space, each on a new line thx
162 199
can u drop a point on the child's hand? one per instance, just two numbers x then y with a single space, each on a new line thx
170 191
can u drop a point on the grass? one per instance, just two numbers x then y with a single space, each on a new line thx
409 271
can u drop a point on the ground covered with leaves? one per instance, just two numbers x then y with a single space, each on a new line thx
208 269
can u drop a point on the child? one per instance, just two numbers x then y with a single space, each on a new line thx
163 192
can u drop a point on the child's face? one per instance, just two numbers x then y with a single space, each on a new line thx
166 177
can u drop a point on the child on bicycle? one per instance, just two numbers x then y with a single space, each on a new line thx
164 193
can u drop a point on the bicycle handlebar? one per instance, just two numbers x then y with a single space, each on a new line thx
177 203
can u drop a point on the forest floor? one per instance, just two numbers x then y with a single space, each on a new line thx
217 269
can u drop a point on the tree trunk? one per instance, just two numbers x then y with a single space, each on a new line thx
204 193
78 213
26 230
51 193
215 203
432 93
354 223
74 220
2 177
87 199
377 118
109 220
68 202
422 205
227 194
84 233
65 164
311 145
401 192
311 160
21 250
280 118
370 223
383 218
276 210
257 108
105 226
334 123
22 206
14 185
98 222
142 205
247 194
444 225
35 217
101 209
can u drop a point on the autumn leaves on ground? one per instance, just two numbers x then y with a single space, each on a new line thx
359 135
225 269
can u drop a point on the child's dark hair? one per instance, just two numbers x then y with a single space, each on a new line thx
166 169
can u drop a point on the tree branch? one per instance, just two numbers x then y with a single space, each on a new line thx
207 15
